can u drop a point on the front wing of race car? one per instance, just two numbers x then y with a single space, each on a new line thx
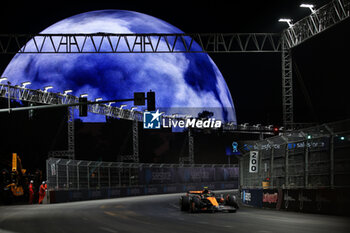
226 208
198 203
218 208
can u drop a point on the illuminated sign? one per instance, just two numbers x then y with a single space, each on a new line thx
253 164
154 120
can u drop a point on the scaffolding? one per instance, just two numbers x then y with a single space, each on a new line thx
315 157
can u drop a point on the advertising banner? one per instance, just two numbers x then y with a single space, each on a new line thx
270 198
185 175
157 176
252 197
193 175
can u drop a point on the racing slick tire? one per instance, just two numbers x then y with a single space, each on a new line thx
185 203
195 204
231 200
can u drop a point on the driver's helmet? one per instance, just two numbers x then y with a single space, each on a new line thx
206 190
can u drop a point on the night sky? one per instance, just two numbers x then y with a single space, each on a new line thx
320 92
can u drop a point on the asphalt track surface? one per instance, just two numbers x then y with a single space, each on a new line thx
158 213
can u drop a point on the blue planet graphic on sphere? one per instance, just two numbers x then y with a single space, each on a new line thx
184 83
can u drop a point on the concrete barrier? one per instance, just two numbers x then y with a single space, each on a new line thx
327 201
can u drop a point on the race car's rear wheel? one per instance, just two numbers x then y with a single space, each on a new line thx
185 203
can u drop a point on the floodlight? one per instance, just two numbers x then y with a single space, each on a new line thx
269 127
133 108
84 95
122 106
24 84
110 103
67 91
288 21
310 6
98 99
3 79
47 88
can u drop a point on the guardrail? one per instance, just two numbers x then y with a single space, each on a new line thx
65 174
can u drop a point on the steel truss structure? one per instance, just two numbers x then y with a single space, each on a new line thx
314 157
140 43
320 20
50 98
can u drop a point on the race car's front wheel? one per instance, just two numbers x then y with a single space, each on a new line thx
185 203
231 200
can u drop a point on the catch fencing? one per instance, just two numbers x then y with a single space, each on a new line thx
65 174
316 157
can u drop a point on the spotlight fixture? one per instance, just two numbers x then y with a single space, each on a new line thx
47 88
24 84
67 91
310 6
3 79
288 21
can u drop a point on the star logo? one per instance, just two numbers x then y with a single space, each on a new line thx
152 120
156 115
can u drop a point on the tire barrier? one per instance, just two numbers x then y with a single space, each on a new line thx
58 196
326 201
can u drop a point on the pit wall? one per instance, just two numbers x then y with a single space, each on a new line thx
58 196
326 201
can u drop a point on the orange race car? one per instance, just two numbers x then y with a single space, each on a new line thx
205 200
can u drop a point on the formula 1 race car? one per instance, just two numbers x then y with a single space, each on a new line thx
205 200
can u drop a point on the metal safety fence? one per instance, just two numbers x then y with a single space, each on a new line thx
316 157
66 174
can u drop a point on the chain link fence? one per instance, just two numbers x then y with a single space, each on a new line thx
66 174
316 157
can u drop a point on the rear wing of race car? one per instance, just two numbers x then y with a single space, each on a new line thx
194 192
